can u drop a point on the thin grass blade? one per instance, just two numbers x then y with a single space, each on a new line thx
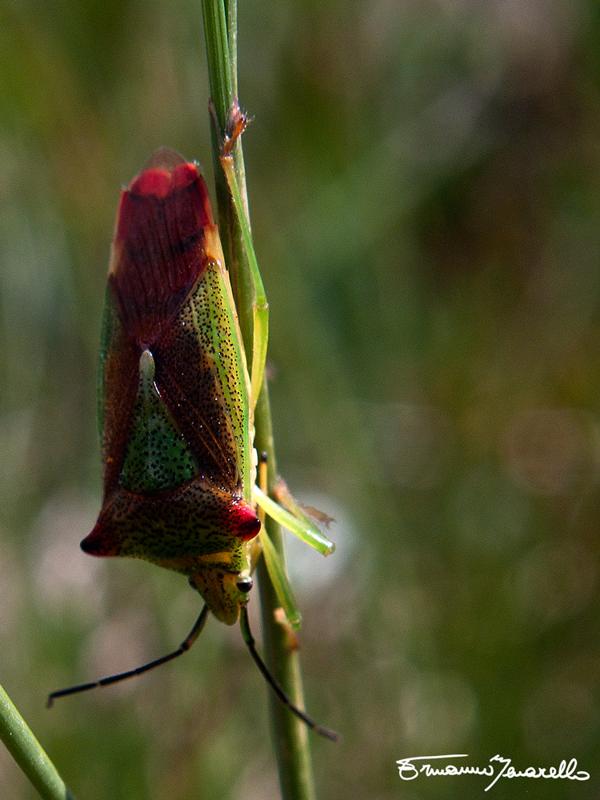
305 530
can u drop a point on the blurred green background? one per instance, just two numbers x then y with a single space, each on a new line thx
424 178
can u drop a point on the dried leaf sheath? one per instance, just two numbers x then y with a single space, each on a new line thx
174 391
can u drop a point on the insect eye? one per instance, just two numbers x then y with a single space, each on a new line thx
245 584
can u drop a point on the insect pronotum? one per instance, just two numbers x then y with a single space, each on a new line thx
176 412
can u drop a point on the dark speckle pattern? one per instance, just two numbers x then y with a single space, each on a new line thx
199 379
157 456
193 520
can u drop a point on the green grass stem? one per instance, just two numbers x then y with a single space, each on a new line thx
290 737
29 753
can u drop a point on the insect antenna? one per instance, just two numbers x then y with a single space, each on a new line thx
131 673
250 643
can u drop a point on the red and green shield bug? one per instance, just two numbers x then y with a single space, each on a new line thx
176 407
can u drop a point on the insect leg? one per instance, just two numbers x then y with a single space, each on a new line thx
250 643
121 676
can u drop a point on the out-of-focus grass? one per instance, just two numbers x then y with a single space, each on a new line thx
424 180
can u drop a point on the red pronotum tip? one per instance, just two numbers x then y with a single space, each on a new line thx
244 522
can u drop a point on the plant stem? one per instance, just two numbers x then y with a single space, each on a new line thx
290 737
28 752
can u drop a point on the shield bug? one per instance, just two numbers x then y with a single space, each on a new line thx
176 411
